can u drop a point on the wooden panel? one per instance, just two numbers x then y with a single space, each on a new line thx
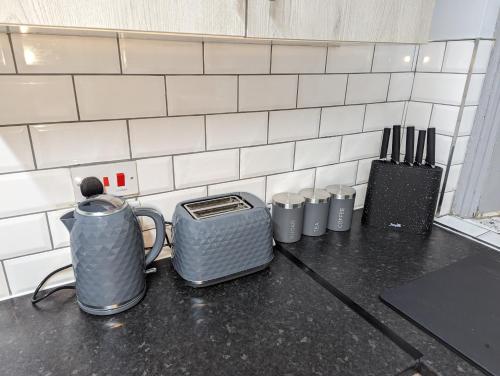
222 17
342 20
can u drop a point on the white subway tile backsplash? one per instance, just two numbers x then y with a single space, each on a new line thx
267 92
367 88
298 59
6 61
430 57
289 182
453 176
341 173
321 90
380 115
165 202
38 53
206 168
264 160
418 114
483 56
474 92
341 120
162 136
443 145
467 122
293 124
189 95
444 88
359 200
23 235
458 56
235 130
60 234
400 86
62 144
237 58
447 203
363 173
460 150
360 146
155 175
444 119
349 59
29 192
318 152
15 149
142 56
25 273
256 186
111 97
393 57
36 99
4 289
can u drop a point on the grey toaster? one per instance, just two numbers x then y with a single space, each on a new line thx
221 237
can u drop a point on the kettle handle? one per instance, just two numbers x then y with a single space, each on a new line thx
157 217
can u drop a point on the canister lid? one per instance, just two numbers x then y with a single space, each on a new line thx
315 196
342 192
288 200
100 205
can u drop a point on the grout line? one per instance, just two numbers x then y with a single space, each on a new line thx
239 163
346 86
203 56
373 57
76 98
246 18
364 118
205 135
319 122
50 232
388 87
216 113
9 36
268 125
271 60
30 139
6 279
444 57
297 93
457 124
326 59
238 93
294 150
173 174
134 159
128 139
119 53
166 96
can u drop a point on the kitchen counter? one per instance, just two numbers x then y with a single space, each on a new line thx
363 262
276 322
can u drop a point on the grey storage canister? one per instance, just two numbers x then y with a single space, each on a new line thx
341 207
317 204
288 217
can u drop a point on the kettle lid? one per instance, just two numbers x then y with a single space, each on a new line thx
101 205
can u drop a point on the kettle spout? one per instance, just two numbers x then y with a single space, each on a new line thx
68 220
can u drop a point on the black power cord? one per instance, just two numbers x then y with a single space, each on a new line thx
35 299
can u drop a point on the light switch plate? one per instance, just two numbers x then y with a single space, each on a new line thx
109 170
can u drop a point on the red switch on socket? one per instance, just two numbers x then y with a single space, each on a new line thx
105 181
120 179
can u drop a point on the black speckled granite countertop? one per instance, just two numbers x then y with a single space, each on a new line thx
365 261
275 322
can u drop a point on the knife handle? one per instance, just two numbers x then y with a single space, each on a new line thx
385 143
410 144
430 158
420 147
396 139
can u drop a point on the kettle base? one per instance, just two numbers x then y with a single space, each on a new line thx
112 309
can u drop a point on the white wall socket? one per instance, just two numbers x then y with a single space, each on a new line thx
114 172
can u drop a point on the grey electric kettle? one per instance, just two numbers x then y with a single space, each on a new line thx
107 251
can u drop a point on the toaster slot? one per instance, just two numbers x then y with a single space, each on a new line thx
217 206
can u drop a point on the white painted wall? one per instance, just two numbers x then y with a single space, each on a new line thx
463 19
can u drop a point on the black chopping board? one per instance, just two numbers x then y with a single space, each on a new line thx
459 305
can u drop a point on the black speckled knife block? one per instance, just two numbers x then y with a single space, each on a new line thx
401 197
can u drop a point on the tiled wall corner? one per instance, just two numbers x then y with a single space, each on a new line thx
198 118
